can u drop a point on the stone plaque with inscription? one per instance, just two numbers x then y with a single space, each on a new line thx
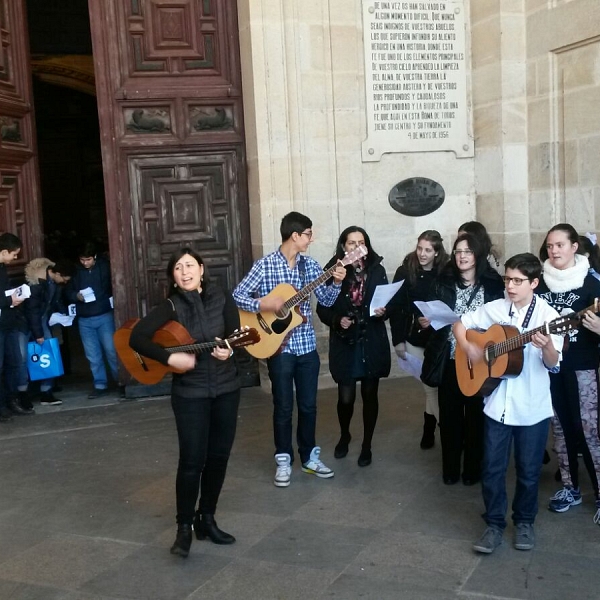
416 78
417 196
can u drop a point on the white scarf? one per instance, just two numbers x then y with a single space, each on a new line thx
565 280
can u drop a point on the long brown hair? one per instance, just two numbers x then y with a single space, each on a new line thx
411 260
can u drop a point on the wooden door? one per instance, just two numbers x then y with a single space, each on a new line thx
170 106
19 180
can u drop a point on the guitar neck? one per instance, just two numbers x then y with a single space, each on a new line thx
547 328
306 291
196 348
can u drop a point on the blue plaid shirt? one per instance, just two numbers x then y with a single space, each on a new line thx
270 271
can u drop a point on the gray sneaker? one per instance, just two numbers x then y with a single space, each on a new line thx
524 536
489 541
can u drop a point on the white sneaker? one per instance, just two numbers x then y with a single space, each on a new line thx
315 466
283 475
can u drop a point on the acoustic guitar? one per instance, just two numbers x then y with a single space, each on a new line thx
503 352
173 337
274 327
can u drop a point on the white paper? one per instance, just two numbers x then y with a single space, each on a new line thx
438 313
23 291
383 294
60 319
112 302
412 365
88 294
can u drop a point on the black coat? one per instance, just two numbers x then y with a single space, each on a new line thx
46 298
371 331
444 289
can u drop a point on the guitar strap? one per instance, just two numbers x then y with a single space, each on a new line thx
302 270
527 316
473 294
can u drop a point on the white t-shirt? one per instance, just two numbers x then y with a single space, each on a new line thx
525 399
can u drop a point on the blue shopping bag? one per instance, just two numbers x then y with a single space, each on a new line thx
44 360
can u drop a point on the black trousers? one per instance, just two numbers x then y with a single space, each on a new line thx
461 428
206 430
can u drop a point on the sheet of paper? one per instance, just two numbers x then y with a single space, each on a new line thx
437 312
88 294
23 291
383 294
60 319
412 365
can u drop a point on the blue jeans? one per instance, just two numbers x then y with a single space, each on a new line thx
530 442
97 338
285 371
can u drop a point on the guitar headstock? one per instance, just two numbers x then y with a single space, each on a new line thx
246 336
564 324
353 256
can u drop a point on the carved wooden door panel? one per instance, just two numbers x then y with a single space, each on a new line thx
170 106
19 180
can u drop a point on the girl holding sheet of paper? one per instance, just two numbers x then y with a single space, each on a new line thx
466 283
359 349
410 329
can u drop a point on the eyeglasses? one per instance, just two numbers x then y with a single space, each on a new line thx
516 280
308 234
468 252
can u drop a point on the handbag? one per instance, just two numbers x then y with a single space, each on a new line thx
435 359
44 360
437 355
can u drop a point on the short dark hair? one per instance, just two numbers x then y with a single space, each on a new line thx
10 242
87 249
173 261
293 222
526 262
63 267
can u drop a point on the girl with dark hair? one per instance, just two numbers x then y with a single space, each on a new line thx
568 286
410 329
478 230
467 283
359 349
204 398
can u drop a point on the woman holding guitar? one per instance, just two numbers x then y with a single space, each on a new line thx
359 349
467 283
410 329
204 398
568 286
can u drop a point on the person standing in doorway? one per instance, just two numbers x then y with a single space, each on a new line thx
297 363
91 291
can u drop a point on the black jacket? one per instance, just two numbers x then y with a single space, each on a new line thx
444 289
98 278
372 330
403 313
46 298
206 316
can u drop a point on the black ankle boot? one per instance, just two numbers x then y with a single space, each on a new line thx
429 424
342 446
365 458
205 526
183 541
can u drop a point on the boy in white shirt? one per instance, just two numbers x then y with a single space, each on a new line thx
519 408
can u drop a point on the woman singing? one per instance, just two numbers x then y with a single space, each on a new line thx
410 329
359 349
467 283
204 398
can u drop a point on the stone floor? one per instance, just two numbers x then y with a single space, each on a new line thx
87 513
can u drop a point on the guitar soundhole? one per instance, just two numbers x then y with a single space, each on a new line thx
281 324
